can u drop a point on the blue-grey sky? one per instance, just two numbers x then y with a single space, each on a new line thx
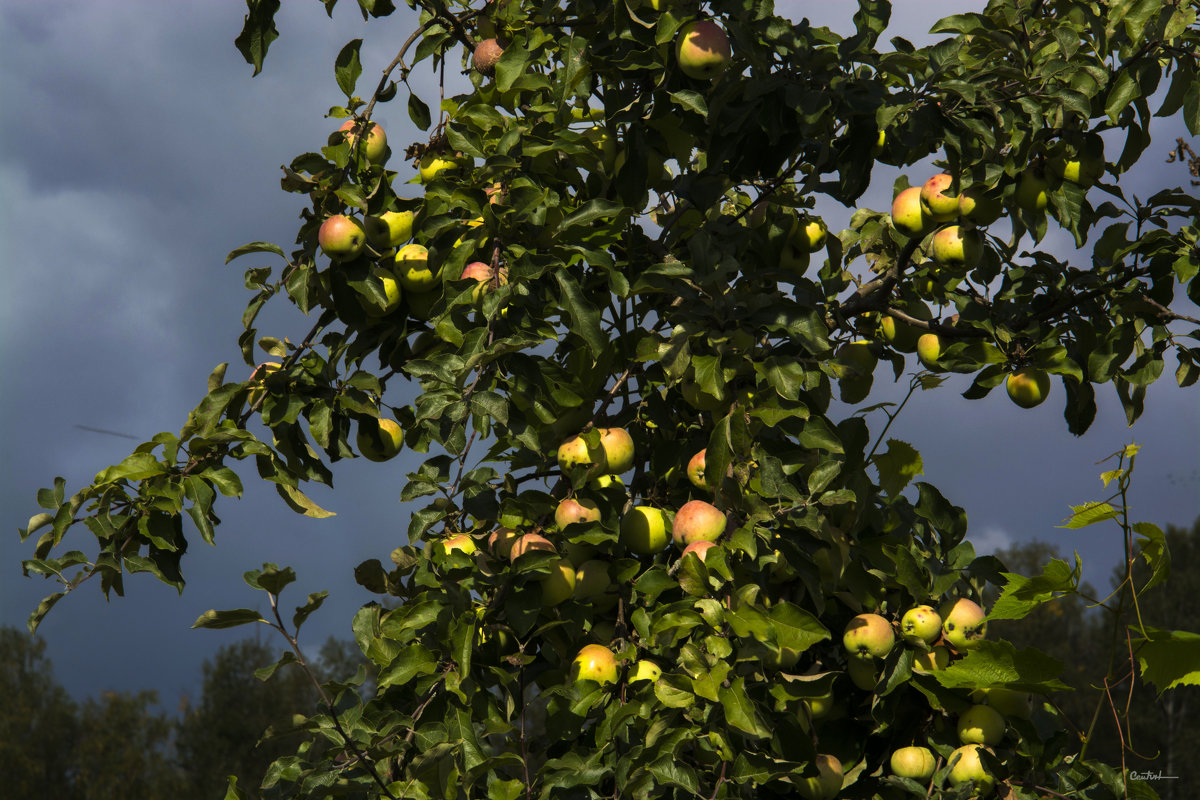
137 151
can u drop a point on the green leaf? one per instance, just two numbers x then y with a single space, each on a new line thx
300 502
1152 547
740 711
418 112
348 66
692 101
1168 658
258 31
990 663
255 247
135 467
227 619
585 317
1022 595
1089 514
898 466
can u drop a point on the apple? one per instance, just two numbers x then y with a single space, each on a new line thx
501 541
486 279
389 229
602 482
644 530
412 269
645 670
595 662
341 237
921 625
559 584
1028 386
858 357
933 660
1010 702
700 548
529 542
820 707
809 234
391 290
695 470
969 767
592 580
929 350
880 141
936 204
461 543
376 147
433 164
1033 191
698 521
978 205
956 246
1083 165
917 763
486 54
964 623
617 445
862 673
379 440
901 335
827 783
702 50
907 216
981 725
576 509
869 636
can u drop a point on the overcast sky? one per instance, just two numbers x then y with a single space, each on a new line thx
137 152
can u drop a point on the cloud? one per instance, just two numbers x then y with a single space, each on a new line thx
990 539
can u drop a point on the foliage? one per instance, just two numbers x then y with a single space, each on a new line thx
648 269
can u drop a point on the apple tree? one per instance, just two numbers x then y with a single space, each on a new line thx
662 544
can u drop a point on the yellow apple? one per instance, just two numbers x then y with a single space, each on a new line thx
559 585
907 216
389 229
595 662
1033 191
869 636
576 509
936 203
413 271
645 670
931 661
379 439
827 783
1028 386
956 246
702 50
929 350
981 724
592 580
433 164
969 767
978 205
809 234
901 335
917 763
460 542
921 624
391 290
501 541
964 623
644 530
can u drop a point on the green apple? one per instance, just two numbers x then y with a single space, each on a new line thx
391 290
486 54
907 216
827 783
1082 165
936 204
576 509
644 530
413 271
917 763
1010 702
862 673
956 246
1033 191
433 164
981 725
929 350
389 229
820 707
921 625
794 259
595 662
559 585
901 335
617 445
809 234
376 146
980 206
460 542
969 767
341 237
1028 386
379 439
698 521
592 580
857 359
501 541
645 670
529 542
933 660
869 636
695 470
702 50
964 623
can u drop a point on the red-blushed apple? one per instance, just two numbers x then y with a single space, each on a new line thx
826 784
956 246
964 623
932 660
869 636
967 766
379 439
486 54
695 470
501 541
702 50
529 542
921 624
341 237
559 585
907 216
700 548
981 724
645 670
617 445
375 148
595 662
1028 386
576 509
644 530
485 277
413 270
460 542
936 203
698 521
917 763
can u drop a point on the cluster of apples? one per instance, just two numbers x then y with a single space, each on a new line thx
959 626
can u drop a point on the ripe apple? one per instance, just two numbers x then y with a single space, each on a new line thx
559 584
956 246
617 445
460 542
1028 386
389 229
376 146
929 350
964 623
700 548
702 50
869 636
379 441
529 542
1033 191
433 164
978 205
936 204
933 660
827 783
907 216
917 763
809 234
341 237
921 625
698 521
486 54
969 767
576 509
695 470
862 673
592 580
644 530
485 278
413 270
595 662
1010 702
501 541
645 670
981 725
